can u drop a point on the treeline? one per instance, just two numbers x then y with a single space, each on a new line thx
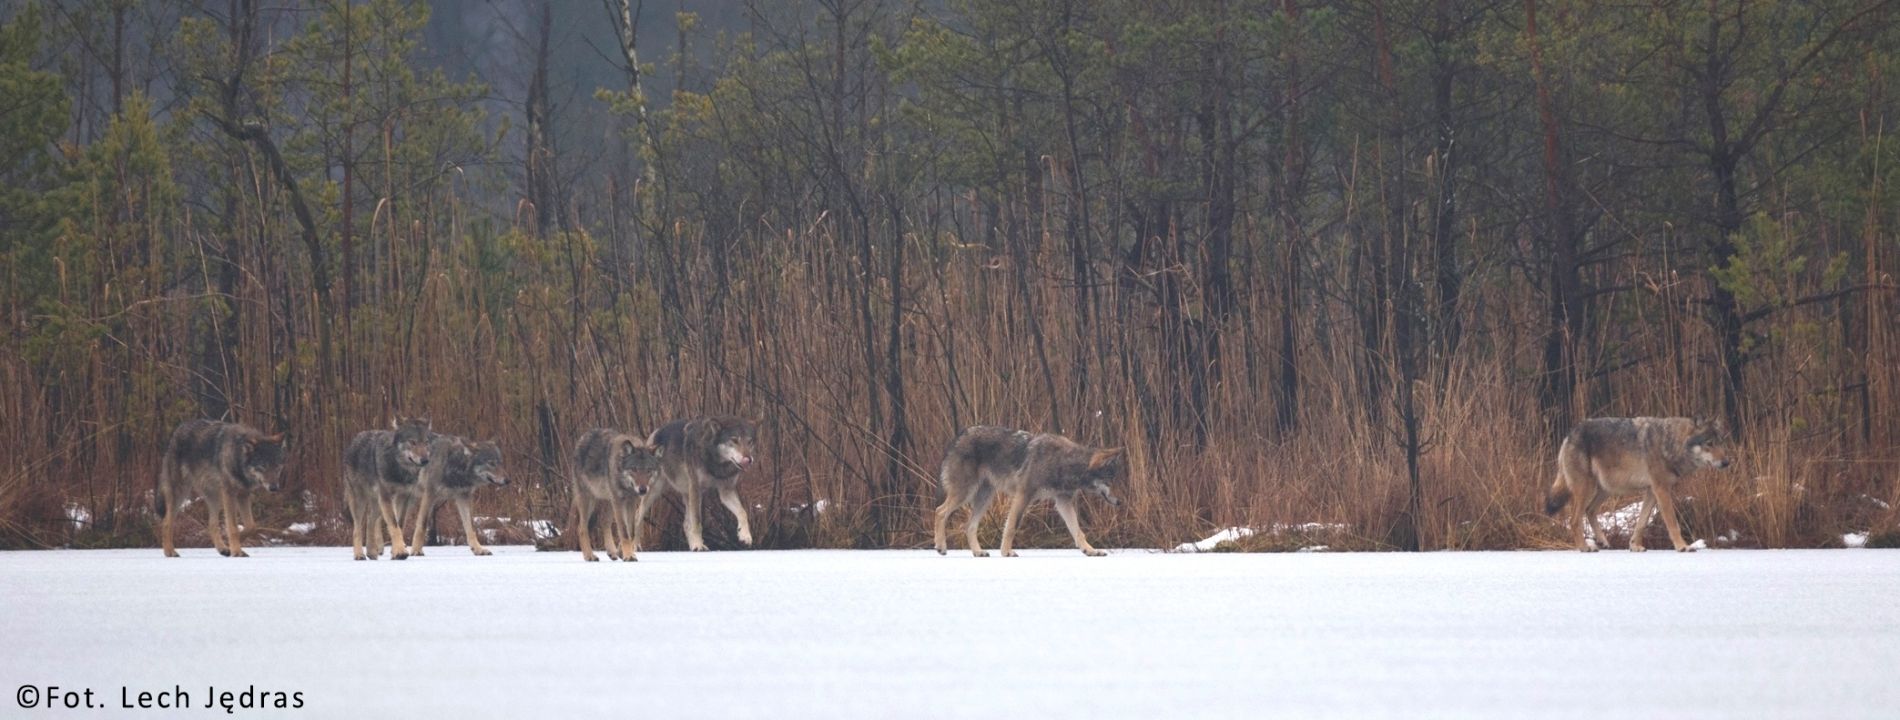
1360 263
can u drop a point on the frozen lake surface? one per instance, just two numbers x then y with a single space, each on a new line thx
907 633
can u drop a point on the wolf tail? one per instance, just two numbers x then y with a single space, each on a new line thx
1557 497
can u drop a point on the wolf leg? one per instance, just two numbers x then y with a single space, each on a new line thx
230 522
944 509
356 523
214 524
583 516
640 518
1016 507
373 528
462 507
1579 522
1667 505
1065 506
165 524
245 518
623 532
425 508
979 504
730 497
392 521
1642 521
611 532
1595 508
694 540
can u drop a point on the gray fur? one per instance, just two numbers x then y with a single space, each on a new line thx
985 459
382 469
457 467
612 469
1604 457
222 463
701 454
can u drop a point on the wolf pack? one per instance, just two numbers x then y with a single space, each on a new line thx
395 479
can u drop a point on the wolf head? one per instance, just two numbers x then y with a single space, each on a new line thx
412 441
1708 444
637 462
1106 466
728 442
264 461
485 461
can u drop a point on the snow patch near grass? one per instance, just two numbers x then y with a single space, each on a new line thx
1235 534
1210 542
1854 540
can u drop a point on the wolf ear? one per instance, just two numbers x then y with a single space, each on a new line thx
1105 456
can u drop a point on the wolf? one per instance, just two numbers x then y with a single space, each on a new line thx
222 463
695 456
614 469
1603 457
381 470
985 459
457 466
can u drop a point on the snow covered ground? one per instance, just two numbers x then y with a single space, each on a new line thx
908 633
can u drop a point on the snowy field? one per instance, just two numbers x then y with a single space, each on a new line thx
1771 634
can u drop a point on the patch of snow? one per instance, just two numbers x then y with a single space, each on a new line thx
1315 548
817 507
1210 542
301 528
1854 540
78 515
1621 520
1876 502
489 535
1784 633
1699 544
1232 534
544 529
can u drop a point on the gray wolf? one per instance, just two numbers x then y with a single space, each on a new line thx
222 463
381 470
985 459
695 456
612 469
457 466
1603 457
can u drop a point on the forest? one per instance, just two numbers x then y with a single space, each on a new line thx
1347 264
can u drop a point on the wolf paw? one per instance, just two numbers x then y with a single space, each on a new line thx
417 553
1635 547
746 540
1009 553
1092 552
1685 548
699 548
240 553
482 552
399 556
174 553
980 553
1588 548
224 552
590 558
